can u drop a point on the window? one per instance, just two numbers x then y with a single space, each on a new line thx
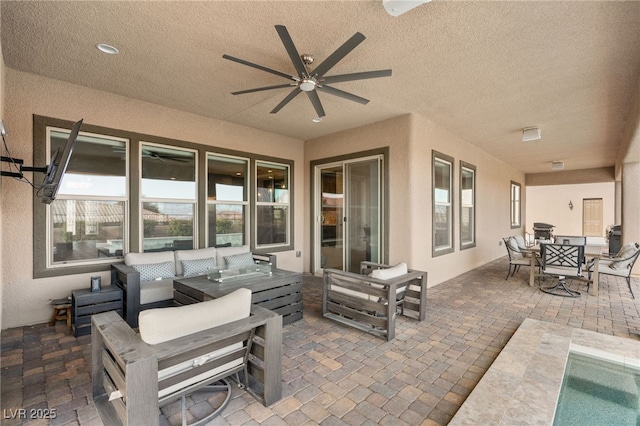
442 204
87 220
515 204
168 196
467 205
272 204
127 192
227 200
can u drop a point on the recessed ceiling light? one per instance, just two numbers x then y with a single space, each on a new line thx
106 48
317 119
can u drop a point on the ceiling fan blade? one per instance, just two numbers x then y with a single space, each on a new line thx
291 50
260 67
343 94
315 101
356 76
259 89
336 56
286 100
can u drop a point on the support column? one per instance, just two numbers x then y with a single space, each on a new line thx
631 206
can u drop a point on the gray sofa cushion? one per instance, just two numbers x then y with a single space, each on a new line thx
156 291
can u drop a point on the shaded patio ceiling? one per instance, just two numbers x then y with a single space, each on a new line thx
481 70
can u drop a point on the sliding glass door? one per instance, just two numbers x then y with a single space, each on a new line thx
348 211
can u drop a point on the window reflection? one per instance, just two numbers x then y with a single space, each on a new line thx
442 204
228 200
467 205
167 226
272 202
86 229
168 173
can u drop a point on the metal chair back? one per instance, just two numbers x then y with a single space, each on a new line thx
557 258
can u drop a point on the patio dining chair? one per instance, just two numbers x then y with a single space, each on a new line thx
620 265
562 261
518 256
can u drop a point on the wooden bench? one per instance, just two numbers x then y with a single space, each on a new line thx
125 368
371 304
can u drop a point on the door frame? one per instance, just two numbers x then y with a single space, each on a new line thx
384 240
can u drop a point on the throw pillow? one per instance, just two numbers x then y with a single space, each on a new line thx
237 260
197 266
388 273
154 271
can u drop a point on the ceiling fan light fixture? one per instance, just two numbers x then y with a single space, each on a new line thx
317 119
307 85
531 134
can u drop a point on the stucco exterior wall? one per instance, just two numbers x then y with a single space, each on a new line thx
26 300
550 204
411 139
2 115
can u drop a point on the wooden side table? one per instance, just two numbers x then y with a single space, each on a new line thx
85 303
61 311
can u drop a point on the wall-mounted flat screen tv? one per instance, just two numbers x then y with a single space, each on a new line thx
58 166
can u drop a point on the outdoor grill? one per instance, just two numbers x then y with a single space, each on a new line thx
542 230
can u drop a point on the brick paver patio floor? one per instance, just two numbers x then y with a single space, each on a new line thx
333 374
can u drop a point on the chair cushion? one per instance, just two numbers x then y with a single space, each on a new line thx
625 252
350 292
238 260
163 324
513 247
195 267
204 253
520 242
221 252
388 273
154 271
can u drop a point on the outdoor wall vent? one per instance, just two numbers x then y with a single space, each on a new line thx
531 134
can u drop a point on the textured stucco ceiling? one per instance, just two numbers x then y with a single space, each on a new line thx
482 70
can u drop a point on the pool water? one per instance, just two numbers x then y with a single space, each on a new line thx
598 392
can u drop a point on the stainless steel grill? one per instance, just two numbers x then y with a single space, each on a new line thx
542 230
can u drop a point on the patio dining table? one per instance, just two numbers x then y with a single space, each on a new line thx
590 252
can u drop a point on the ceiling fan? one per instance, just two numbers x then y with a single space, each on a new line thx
312 81
157 155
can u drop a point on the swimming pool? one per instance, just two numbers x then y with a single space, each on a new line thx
522 386
597 390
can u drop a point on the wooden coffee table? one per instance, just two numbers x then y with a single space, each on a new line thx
280 292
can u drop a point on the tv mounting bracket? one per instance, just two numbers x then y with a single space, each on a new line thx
22 167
